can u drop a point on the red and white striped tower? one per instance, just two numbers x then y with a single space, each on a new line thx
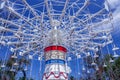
55 55
55 63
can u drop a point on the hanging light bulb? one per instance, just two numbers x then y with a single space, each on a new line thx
21 53
88 71
111 60
104 65
12 49
78 73
95 56
97 68
115 48
115 55
12 70
14 56
39 58
25 68
88 54
96 49
93 63
78 56
15 64
3 65
83 68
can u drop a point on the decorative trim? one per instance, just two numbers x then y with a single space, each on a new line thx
52 73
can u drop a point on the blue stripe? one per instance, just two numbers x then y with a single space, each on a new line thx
55 61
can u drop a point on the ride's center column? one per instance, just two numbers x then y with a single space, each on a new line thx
55 55
55 63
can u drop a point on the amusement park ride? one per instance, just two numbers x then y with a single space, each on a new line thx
55 31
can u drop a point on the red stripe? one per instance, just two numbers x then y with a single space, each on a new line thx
59 48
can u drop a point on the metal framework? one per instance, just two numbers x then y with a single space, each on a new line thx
81 26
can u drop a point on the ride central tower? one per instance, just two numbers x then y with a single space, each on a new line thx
55 56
